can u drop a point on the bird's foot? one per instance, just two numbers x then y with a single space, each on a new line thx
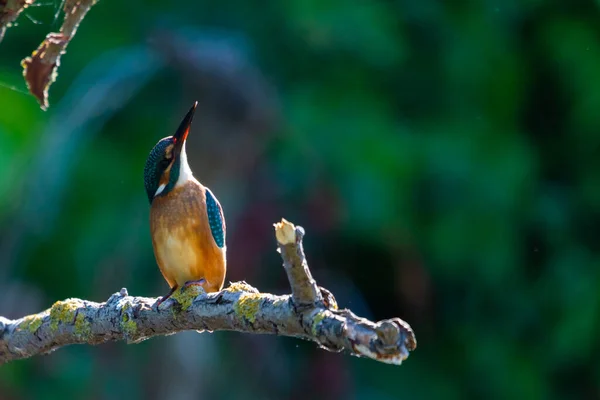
162 299
199 282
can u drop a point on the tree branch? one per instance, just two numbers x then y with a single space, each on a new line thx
309 313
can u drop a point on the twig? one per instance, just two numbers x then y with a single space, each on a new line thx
39 70
305 291
9 12
305 314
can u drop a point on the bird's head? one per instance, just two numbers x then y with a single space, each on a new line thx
167 166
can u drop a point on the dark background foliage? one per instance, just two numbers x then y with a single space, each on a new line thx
443 158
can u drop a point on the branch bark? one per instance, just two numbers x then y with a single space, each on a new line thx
310 313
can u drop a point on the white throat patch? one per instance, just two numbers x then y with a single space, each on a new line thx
185 173
160 189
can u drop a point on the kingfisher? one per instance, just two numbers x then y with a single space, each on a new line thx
186 219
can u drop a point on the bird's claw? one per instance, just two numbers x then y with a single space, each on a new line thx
199 282
158 302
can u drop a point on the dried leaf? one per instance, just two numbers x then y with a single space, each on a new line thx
40 69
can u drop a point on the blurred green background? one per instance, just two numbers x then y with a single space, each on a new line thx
443 157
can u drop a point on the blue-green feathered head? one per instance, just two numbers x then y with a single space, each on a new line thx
164 163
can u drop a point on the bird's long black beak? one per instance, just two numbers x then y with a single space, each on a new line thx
184 128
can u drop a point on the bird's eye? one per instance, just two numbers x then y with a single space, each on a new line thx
164 163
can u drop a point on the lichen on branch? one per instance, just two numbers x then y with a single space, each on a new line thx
239 307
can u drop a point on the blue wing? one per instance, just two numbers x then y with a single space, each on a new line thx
215 218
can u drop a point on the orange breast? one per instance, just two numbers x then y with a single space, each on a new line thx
183 243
